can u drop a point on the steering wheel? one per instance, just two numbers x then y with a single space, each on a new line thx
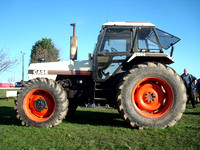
113 49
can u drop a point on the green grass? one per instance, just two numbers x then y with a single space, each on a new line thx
97 129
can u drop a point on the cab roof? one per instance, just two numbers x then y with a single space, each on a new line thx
129 24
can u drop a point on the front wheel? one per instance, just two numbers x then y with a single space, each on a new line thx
41 103
151 95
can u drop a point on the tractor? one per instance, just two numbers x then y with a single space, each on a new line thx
128 70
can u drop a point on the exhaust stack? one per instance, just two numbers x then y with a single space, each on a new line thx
73 44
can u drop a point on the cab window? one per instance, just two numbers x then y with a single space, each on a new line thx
116 40
147 40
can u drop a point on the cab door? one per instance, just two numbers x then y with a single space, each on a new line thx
114 46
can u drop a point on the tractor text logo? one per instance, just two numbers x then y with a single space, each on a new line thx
140 54
42 72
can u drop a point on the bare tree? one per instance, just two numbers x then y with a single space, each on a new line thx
5 62
11 79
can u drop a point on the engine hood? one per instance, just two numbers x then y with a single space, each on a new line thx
52 69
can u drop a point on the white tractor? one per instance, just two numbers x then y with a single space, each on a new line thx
128 70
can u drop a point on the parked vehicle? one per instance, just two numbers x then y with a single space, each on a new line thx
18 84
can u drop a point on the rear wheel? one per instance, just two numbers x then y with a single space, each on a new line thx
41 103
151 95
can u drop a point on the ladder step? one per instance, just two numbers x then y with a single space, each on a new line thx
100 90
99 98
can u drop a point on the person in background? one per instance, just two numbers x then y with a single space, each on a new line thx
198 87
190 82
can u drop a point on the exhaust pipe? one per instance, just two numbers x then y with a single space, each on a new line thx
73 44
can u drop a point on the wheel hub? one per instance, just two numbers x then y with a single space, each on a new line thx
40 104
150 97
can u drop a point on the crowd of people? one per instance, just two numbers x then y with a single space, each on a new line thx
190 83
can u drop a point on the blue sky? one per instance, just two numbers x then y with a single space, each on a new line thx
22 23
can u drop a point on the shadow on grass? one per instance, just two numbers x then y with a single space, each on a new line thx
5 98
97 118
192 113
192 128
8 116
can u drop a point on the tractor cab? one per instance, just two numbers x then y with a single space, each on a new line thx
118 41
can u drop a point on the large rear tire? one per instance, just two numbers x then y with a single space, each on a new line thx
151 95
41 103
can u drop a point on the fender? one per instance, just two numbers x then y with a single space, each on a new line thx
160 57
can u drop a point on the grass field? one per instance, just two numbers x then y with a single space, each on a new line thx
96 129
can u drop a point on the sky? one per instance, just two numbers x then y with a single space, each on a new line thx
23 23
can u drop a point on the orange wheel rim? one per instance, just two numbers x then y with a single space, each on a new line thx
39 105
152 97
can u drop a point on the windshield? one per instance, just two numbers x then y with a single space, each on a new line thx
116 40
166 39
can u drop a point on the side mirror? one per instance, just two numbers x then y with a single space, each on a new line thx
89 56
